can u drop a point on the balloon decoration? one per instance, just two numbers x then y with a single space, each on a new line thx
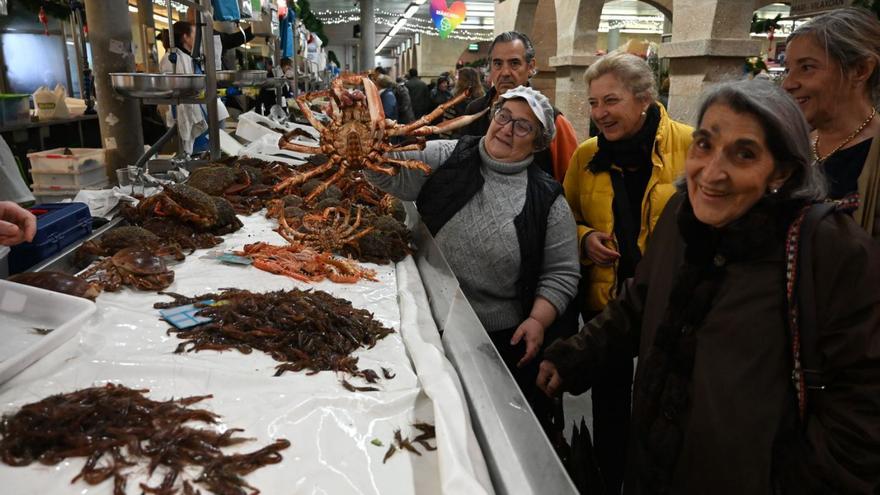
446 19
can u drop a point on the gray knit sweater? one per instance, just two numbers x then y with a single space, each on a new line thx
480 242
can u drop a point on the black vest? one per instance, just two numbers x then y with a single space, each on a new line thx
453 184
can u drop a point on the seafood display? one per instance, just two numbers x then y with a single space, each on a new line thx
132 266
359 136
189 206
402 443
305 330
121 433
304 264
58 282
131 236
329 231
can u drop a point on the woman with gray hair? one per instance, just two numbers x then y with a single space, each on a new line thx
727 396
504 228
833 71
617 185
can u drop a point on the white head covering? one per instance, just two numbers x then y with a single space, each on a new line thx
540 106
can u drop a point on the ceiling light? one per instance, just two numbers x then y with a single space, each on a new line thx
410 10
397 25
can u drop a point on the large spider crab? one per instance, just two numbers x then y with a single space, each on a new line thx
358 136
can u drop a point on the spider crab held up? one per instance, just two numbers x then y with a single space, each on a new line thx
358 136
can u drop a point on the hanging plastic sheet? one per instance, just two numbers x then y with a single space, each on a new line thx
332 430
286 38
226 10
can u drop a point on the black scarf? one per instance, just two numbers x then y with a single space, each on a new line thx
631 152
668 367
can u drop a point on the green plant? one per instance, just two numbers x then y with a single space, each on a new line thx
313 24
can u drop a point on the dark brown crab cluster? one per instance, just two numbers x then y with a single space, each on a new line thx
185 215
118 429
58 282
304 330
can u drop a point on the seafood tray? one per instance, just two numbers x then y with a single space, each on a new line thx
35 321
335 434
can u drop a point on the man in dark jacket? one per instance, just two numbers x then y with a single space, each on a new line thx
404 103
512 64
418 94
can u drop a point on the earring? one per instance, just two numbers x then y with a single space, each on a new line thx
644 113
774 190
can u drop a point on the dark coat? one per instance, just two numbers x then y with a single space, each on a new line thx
419 95
741 399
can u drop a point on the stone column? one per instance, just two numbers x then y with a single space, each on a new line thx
577 30
119 118
710 40
145 22
367 56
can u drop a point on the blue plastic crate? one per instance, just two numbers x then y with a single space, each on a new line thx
58 226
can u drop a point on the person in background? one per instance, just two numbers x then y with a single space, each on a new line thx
192 126
441 94
723 403
617 185
404 102
386 92
512 63
418 93
468 81
833 71
17 225
519 276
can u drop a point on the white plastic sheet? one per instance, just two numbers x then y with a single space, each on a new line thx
331 429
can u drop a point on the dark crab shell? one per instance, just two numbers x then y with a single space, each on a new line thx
58 282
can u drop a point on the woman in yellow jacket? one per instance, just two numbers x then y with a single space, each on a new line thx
617 185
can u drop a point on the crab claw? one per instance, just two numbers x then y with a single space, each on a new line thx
374 104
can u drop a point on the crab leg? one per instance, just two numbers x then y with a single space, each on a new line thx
447 125
410 164
327 183
307 112
391 148
301 148
428 118
300 178
374 105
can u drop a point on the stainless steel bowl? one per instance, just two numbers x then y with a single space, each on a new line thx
138 85
240 77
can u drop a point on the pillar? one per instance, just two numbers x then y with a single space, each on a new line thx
367 55
147 23
710 40
119 118
577 31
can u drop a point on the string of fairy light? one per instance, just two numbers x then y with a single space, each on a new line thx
415 24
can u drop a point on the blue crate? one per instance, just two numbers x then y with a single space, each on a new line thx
59 226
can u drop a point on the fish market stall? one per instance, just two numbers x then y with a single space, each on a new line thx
309 342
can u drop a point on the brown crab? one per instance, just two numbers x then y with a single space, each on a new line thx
130 236
131 266
58 282
183 202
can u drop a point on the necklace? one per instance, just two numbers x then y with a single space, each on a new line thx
845 141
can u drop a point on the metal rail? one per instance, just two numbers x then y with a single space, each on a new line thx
517 452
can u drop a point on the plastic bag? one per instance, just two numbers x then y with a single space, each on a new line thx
51 104
226 10
247 9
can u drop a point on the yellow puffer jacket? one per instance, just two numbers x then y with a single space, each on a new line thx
590 196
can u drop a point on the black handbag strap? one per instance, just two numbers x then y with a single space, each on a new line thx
801 293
